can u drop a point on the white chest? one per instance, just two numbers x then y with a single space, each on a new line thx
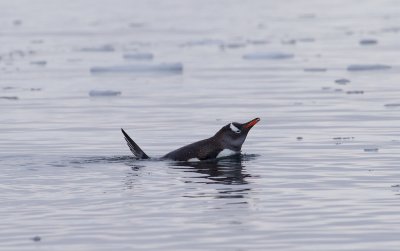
226 153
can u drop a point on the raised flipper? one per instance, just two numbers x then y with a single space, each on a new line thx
135 149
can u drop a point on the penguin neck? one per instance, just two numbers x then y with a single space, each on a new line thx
235 146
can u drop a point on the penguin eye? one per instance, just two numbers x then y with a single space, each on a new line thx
234 128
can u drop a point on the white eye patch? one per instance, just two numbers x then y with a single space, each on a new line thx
234 128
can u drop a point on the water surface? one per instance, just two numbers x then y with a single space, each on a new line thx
319 172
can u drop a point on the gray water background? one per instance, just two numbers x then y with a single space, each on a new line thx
319 172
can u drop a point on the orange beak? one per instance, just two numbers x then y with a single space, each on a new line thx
251 123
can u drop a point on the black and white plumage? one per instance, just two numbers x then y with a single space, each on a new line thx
227 141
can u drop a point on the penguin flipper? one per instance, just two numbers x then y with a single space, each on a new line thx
135 149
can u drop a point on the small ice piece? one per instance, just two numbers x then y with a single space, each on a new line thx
342 81
17 22
391 29
290 41
343 138
169 68
393 105
37 41
368 67
41 62
307 16
306 40
257 41
368 41
103 93
233 45
203 42
36 238
103 48
136 25
315 69
267 56
145 56
9 97
371 150
355 92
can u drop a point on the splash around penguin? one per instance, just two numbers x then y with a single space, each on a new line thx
226 142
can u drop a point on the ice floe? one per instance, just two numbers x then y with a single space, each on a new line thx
342 81
257 41
166 68
315 69
102 48
145 56
393 105
306 40
289 41
232 45
103 93
39 62
204 42
9 97
368 41
267 56
355 92
368 67
371 149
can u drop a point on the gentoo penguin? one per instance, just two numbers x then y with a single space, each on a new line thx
227 141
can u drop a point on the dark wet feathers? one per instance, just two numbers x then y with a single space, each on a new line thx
135 149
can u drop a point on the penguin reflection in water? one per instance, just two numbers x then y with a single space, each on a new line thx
226 142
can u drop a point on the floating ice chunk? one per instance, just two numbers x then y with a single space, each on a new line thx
257 41
368 41
204 42
103 93
267 56
368 67
9 97
17 22
103 48
315 69
393 105
36 238
371 150
308 16
289 41
139 56
233 45
342 81
166 68
136 25
343 138
41 62
391 29
37 41
306 40
355 92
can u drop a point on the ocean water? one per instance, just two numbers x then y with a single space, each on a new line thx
320 171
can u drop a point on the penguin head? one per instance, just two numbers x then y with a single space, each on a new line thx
234 134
